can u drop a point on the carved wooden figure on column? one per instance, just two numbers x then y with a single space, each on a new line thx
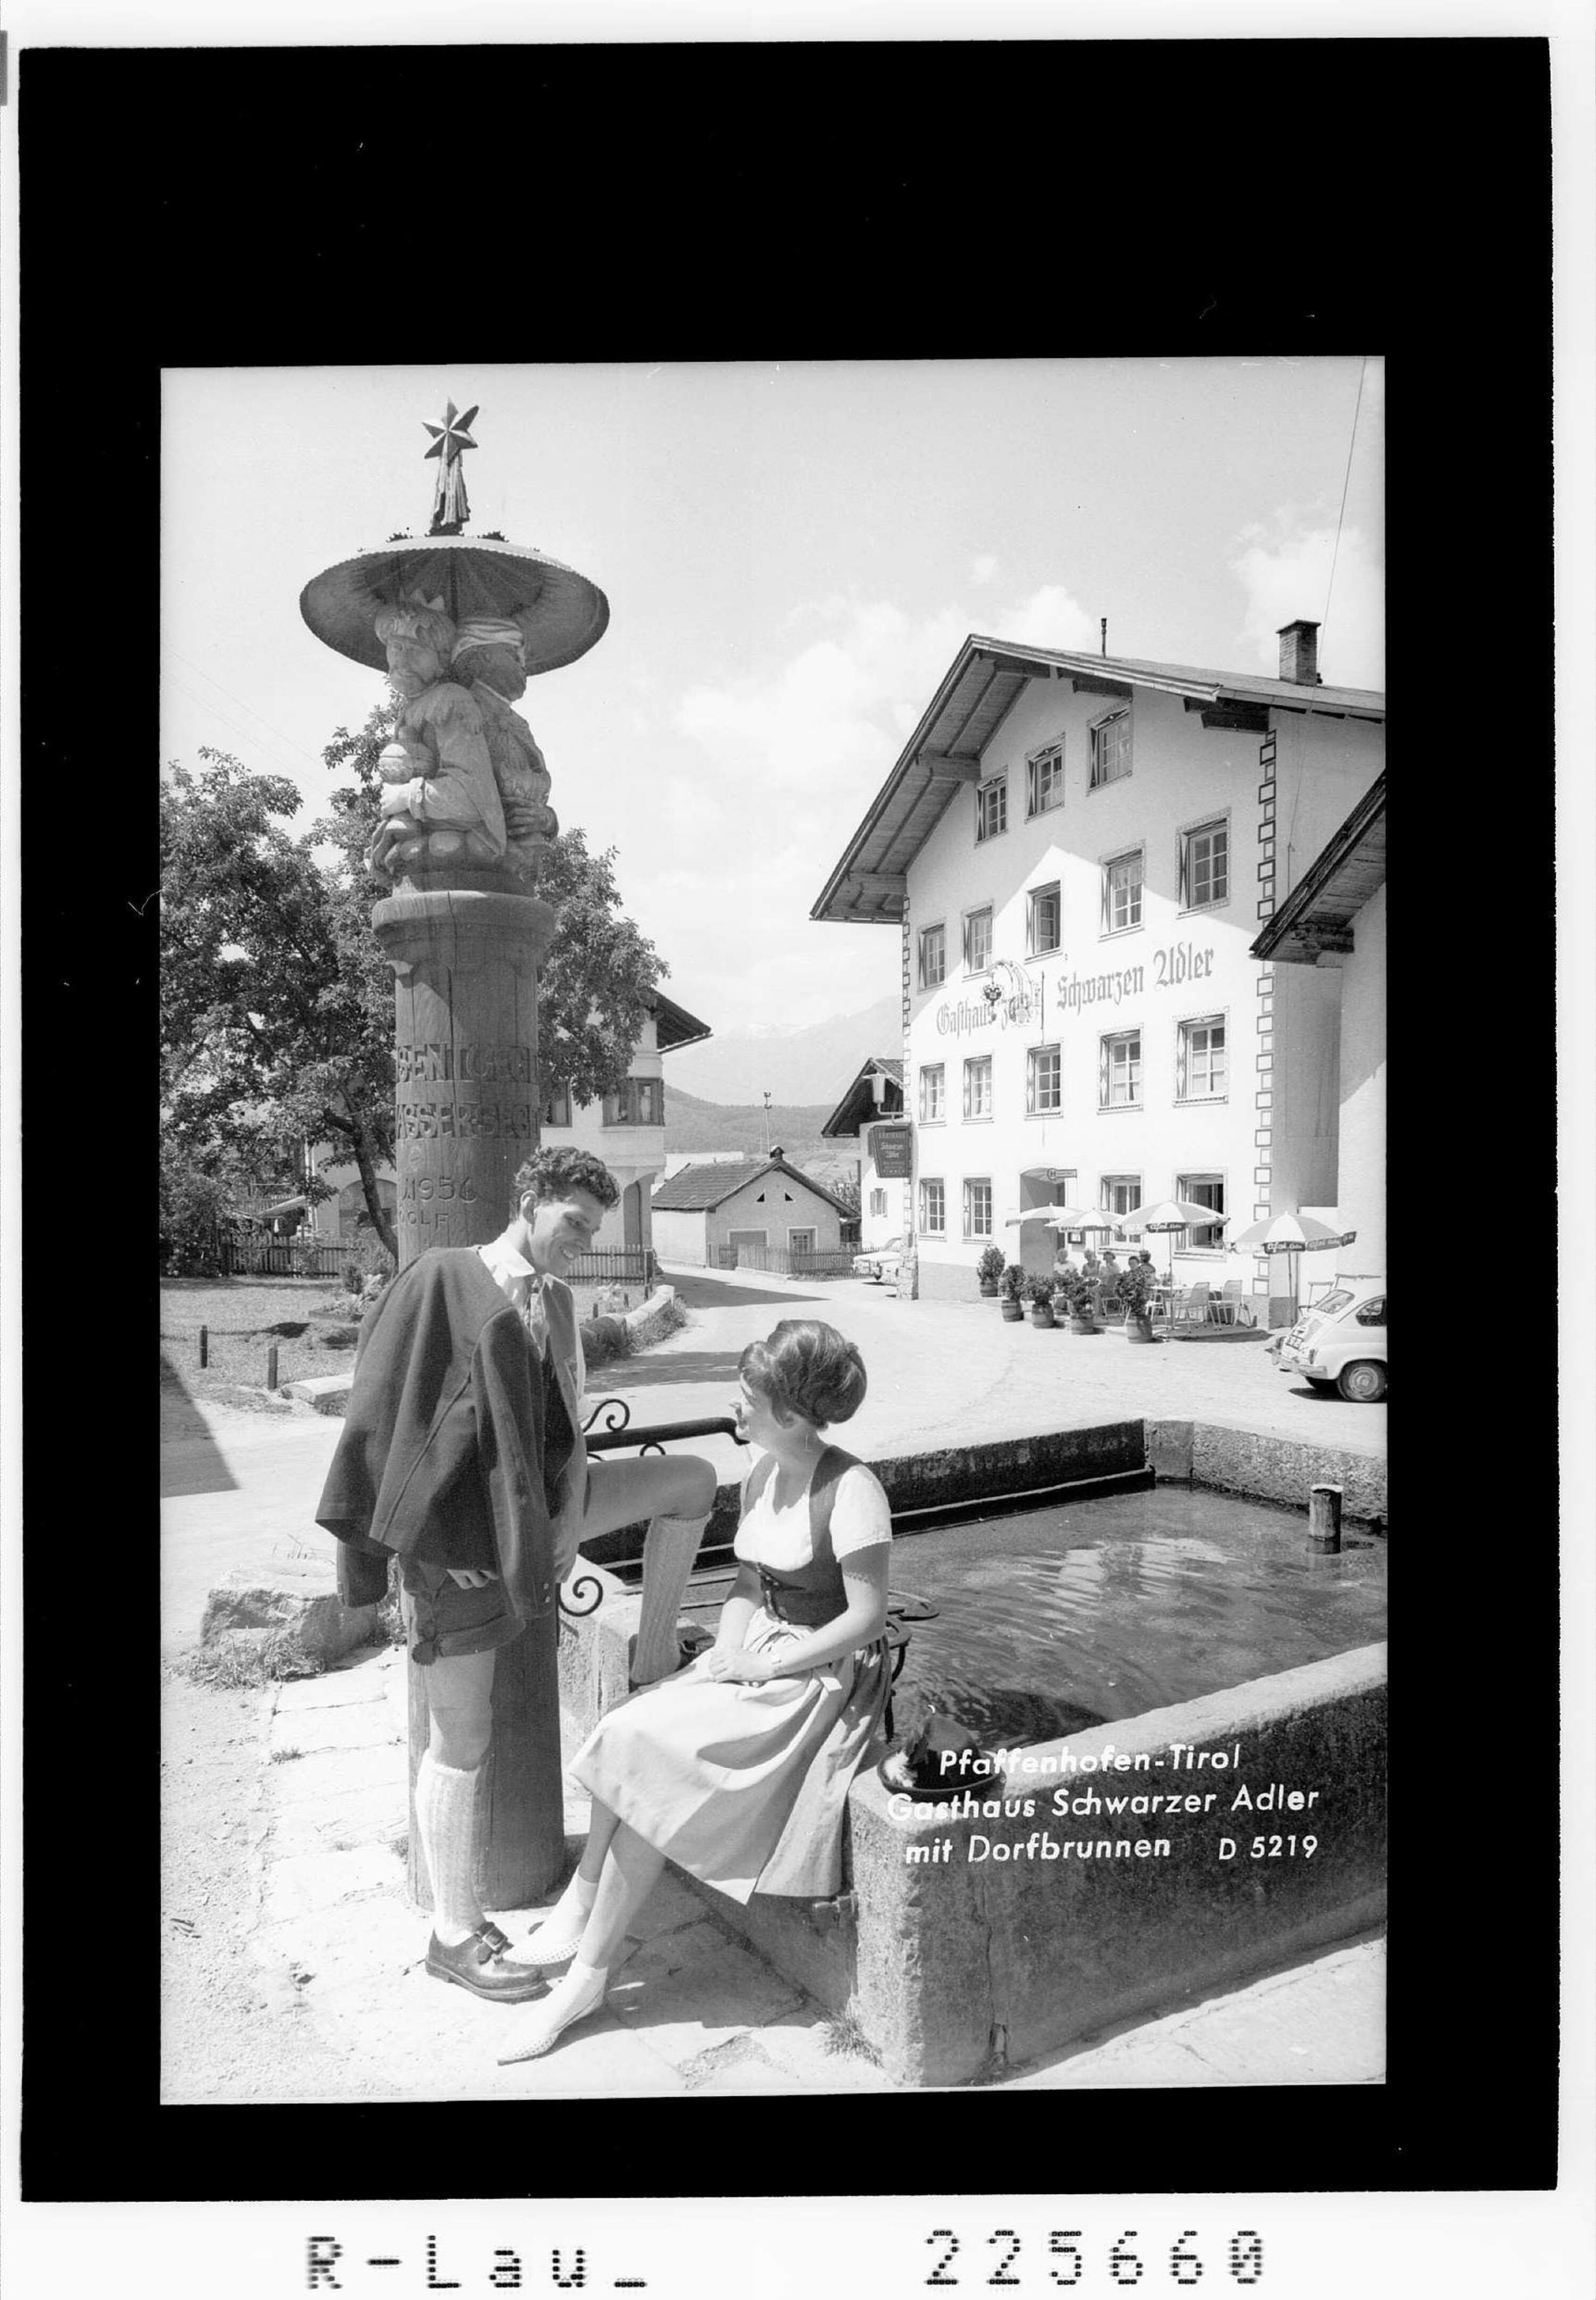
442 803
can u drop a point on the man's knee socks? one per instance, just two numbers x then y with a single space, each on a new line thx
446 1820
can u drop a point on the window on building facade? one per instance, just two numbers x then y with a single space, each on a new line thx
1200 1070
1121 1194
1205 866
992 807
978 1208
1044 780
977 941
555 1110
1044 1086
933 1078
978 1085
1044 920
1120 1071
878 1202
934 956
1111 749
1122 893
933 1219
637 1102
1203 1190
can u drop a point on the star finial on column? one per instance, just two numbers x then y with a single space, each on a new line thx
449 439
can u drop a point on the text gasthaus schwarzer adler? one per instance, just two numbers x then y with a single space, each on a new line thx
1066 1801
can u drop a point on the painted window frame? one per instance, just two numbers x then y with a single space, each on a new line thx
552 1105
1109 1186
972 1064
1049 756
1185 1092
1034 898
976 1182
624 1106
1105 1070
1185 1187
929 1228
929 981
937 1071
1112 862
992 800
1206 829
1098 779
981 910
1050 1053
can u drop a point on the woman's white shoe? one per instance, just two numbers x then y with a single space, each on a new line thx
572 1999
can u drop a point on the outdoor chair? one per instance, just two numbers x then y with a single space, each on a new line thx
1195 1305
1233 1293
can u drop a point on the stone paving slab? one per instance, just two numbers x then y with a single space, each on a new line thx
305 1882
369 1816
350 1725
328 1772
682 2008
352 1684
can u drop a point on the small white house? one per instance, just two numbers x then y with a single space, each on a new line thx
757 1213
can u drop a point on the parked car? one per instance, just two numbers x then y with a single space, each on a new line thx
879 1262
1340 1342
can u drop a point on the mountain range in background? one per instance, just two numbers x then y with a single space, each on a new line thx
813 1065
693 1125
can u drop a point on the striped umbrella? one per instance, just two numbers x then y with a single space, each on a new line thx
1289 1232
1172 1214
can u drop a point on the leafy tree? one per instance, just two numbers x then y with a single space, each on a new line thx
278 1000
277 1003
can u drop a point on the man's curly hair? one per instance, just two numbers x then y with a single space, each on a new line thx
554 1173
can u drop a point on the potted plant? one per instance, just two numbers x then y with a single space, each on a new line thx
989 1270
1011 1286
1136 1287
1080 1295
1039 1294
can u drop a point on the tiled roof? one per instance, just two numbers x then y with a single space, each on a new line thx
700 1189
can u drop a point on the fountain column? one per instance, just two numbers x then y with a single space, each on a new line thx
461 625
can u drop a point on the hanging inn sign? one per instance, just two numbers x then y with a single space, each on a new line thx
891 1152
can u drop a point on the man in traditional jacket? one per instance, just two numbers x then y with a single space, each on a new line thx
462 1453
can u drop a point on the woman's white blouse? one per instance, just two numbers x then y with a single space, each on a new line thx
779 1538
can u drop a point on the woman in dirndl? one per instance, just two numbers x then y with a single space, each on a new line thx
737 1768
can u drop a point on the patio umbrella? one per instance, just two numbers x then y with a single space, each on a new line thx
1292 1233
1067 1217
1172 1214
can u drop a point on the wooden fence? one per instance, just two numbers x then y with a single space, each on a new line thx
781 1262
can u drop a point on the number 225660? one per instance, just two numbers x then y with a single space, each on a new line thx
1068 2258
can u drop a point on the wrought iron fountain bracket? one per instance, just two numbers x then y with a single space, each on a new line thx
609 1427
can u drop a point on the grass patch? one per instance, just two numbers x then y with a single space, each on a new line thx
251 1657
285 1756
311 1325
842 2034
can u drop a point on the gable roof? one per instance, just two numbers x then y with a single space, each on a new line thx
860 1103
1317 913
700 1189
673 1025
944 753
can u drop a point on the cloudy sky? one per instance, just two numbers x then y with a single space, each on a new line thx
793 554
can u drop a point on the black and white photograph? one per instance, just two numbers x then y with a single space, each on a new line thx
910 1049
761 1011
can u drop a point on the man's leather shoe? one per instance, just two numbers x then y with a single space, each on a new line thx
477 1964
